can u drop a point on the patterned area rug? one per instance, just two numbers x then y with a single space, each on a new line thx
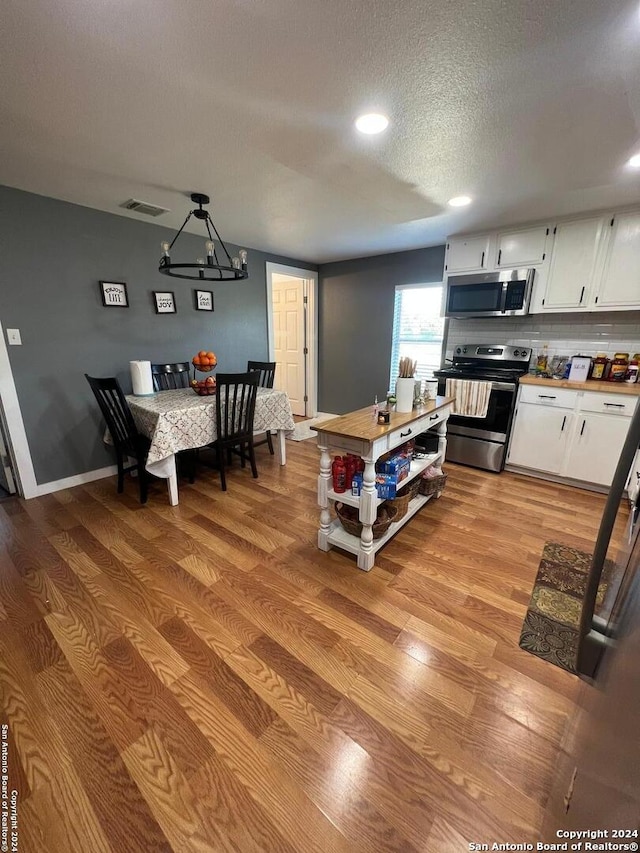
550 628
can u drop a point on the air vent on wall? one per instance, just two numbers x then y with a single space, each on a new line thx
144 207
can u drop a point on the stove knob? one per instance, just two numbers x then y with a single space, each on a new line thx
464 350
458 350
516 352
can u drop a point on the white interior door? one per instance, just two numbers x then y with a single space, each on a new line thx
289 339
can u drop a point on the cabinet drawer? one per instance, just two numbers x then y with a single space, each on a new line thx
610 404
548 396
409 431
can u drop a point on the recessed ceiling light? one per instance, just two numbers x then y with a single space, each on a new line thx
460 201
372 123
635 161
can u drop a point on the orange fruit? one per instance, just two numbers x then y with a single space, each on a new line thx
196 359
203 353
210 355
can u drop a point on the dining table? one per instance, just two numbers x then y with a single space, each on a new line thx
179 420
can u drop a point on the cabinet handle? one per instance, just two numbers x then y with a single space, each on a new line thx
499 256
564 420
584 423
482 260
434 417
408 432
581 295
617 405
546 397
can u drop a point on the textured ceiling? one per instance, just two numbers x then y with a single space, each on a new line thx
530 106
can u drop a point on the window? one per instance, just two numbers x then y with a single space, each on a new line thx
418 329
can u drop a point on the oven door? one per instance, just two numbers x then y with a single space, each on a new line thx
482 442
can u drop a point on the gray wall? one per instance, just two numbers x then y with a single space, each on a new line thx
53 254
356 319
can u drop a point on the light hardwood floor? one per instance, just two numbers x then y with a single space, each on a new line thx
202 678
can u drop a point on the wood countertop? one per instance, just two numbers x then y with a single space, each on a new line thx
359 424
591 385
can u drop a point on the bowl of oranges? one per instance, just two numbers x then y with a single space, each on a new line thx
204 361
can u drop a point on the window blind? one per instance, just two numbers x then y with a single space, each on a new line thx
418 330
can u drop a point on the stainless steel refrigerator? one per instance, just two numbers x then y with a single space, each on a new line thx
597 783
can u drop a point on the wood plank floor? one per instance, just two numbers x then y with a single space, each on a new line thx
202 678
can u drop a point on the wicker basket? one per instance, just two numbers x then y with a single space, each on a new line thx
402 498
432 485
353 526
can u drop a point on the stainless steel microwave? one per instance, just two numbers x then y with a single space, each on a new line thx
505 293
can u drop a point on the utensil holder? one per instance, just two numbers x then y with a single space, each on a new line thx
404 393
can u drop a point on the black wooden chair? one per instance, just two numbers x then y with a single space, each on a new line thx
127 441
168 377
267 372
235 409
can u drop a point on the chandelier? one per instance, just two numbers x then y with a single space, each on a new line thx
213 268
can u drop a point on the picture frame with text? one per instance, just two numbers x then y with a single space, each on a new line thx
164 301
203 300
114 294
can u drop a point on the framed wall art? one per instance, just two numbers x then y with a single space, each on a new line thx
164 301
114 294
203 300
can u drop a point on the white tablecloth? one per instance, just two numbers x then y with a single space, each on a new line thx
181 420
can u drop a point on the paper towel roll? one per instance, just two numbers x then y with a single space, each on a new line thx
141 378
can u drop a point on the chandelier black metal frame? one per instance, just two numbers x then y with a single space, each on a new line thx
209 269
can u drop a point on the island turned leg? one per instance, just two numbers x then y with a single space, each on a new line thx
324 483
368 512
441 429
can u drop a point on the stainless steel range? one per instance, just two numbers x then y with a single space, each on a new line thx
482 442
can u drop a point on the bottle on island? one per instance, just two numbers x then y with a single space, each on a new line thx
339 474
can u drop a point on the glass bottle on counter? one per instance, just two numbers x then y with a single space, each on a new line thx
599 366
542 361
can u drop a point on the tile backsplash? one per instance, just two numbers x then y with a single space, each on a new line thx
565 334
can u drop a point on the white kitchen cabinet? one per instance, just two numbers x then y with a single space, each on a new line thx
521 248
595 447
540 436
466 254
620 282
574 255
572 434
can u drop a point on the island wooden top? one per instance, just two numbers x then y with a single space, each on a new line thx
360 424
589 385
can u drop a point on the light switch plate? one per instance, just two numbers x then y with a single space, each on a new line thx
13 336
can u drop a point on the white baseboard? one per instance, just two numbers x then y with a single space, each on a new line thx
69 482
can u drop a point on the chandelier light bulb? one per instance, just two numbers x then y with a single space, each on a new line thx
243 257
200 261
209 247
165 248
235 263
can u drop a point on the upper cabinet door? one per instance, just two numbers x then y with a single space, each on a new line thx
465 254
620 283
521 248
573 263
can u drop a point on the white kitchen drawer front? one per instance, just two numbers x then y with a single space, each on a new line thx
608 404
411 431
548 396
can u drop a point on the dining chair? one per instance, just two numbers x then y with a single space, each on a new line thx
267 372
127 441
168 377
235 409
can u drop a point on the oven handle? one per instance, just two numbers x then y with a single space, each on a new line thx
495 386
